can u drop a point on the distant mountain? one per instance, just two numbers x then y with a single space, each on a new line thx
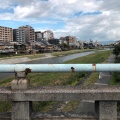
107 42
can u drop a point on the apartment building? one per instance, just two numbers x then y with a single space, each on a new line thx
28 32
6 34
38 36
71 39
47 35
19 35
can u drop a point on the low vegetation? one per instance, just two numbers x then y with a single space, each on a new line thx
71 52
116 50
115 80
71 79
116 75
33 56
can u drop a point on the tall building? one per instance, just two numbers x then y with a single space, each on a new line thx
47 35
29 33
38 36
6 34
19 35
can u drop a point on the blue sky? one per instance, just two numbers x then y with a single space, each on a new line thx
86 19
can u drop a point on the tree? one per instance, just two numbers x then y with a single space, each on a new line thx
116 50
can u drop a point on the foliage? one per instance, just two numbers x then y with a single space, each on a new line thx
116 50
115 80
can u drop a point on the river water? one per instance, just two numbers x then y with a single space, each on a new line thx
58 60
54 60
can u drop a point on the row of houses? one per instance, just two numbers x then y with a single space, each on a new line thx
32 47
66 43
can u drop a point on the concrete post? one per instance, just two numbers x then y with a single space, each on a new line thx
107 110
21 110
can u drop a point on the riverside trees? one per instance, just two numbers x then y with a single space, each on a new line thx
116 50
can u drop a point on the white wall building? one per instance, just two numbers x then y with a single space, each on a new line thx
47 35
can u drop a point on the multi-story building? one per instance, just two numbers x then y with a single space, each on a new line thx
29 33
6 34
71 39
47 35
19 35
38 36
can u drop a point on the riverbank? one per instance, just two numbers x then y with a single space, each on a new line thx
28 58
23 59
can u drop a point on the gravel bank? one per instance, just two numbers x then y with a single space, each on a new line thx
22 60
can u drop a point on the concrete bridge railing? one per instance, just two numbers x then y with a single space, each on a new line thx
21 94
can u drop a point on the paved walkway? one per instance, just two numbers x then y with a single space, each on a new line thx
104 77
87 107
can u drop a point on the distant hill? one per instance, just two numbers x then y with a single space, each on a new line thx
107 42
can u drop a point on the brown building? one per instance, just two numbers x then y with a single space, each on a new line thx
29 33
6 34
70 39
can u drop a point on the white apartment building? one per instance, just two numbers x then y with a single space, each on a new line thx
47 35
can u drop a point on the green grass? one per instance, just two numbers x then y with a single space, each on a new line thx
92 79
6 81
71 52
5 106
71 79
43 106
31 56
97 57
35 56
71 106
115 80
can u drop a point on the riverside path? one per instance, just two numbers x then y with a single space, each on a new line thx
88 107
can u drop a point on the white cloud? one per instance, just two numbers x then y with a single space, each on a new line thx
104 26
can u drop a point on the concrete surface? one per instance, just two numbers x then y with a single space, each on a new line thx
62 93
107 110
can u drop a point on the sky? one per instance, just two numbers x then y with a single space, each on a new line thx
85 19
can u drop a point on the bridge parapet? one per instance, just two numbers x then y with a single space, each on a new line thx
105 98
63 93
22 95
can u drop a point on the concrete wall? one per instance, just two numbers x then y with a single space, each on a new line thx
106 97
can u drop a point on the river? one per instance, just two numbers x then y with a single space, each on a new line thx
54 60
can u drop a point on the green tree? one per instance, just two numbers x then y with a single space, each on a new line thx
116 50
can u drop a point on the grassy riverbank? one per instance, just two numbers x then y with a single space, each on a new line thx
40 55
71 52
115 80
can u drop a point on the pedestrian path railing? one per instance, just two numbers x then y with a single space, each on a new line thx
22 95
